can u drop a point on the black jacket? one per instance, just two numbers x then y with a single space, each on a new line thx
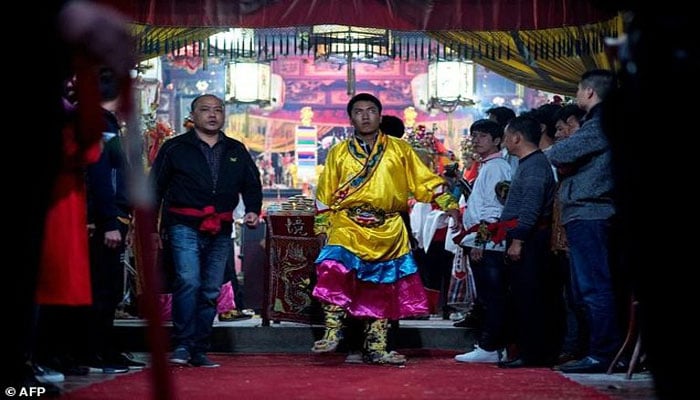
183 179
107 196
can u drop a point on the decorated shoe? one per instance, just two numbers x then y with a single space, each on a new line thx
390 358
233 315
330 341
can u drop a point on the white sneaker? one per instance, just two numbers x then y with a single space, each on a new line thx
47 375
479 355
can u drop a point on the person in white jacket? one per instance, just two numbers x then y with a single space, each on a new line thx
486 255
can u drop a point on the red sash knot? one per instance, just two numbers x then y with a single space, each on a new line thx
211 220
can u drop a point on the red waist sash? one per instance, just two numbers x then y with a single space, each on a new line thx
211 220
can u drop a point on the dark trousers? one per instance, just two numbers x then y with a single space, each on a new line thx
60 335
491 280
575 339
537 302
435 268
107 278
593 284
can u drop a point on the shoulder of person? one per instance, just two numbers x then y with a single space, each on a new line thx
399 142
500 160
232 141
173 142
592 125
182 137
235 144
340 146
405 147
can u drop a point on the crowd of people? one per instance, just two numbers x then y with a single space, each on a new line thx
545 301
522 291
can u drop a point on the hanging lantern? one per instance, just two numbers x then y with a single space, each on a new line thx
450 85
345 45
248 83
338 43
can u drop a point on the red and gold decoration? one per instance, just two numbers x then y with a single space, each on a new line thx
470 160
430 149
155 136
292 249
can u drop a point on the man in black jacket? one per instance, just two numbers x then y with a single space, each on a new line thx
198 178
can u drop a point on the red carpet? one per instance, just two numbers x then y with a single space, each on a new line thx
428 375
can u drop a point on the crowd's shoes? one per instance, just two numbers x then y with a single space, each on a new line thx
128 360
517 363
45 374
234 315
479 355
66 366
590 365
29 380
565 356
180 356
201 360
97 365
470 320
586 365
122 314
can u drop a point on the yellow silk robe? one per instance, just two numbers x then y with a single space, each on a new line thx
398 173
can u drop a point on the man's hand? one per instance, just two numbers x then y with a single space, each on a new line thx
476 254
251 220
457 218
113 238
515 250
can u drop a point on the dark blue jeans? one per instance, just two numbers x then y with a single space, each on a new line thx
592 285
576 329
200 260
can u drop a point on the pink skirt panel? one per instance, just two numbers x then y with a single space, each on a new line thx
224 303
339 285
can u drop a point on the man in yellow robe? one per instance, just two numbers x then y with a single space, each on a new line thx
365 268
